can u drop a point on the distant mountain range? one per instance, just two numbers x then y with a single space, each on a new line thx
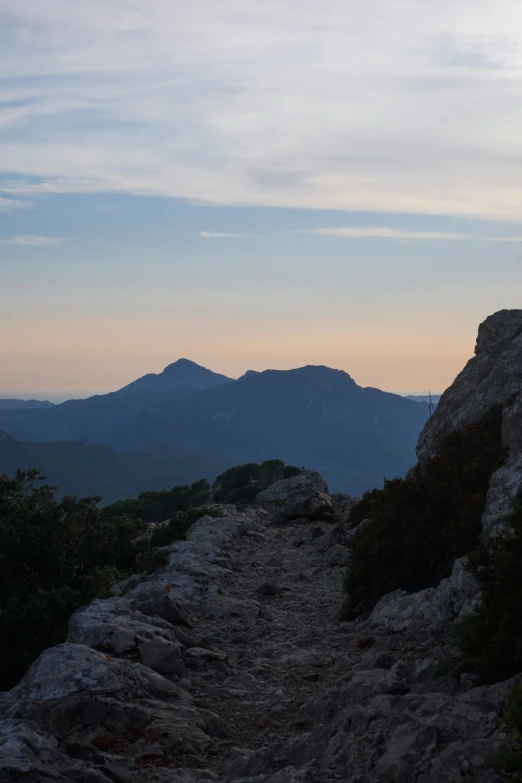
11 405
312 416
434 398
92 469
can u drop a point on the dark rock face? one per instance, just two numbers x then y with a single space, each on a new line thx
305 495
493 376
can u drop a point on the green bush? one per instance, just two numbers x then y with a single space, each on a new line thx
490 640
54 557
177 527
421 523
241 484
154 506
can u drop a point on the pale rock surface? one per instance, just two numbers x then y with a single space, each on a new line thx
305 495
429 610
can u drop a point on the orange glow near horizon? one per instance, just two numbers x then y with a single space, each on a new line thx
58 360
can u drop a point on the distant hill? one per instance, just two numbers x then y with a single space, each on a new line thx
425 398
96 418
312 416
182 374
10 405
92 469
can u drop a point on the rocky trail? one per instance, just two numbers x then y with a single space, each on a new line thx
230 665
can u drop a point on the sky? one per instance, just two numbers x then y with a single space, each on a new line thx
254 184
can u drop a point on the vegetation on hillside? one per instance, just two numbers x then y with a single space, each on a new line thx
153 506
422 523
491 638
54 557
242 483
57 555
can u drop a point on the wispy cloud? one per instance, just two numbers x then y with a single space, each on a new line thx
9 204
370 232
226 235
351 232
334 106
33 240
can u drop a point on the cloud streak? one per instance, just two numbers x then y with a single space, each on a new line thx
375 232
10 205
369 232
226 235
33 240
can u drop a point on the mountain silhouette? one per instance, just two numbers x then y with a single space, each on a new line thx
179 375
85 469
10 405
313 416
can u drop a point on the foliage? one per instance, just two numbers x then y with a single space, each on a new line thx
508 759
182 506
153 506
180 522
54 557
241 484
490 640
421 523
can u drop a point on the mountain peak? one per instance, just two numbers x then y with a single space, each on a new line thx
182 373
181 364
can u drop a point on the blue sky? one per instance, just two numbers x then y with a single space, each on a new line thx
255 184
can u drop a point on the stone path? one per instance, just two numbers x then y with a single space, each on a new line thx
272 614
229 665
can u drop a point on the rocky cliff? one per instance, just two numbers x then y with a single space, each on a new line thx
492 377
230 665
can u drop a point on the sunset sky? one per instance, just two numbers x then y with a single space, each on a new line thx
254 184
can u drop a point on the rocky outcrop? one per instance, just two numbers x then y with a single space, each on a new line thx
493 376
228 665
428 611
305 495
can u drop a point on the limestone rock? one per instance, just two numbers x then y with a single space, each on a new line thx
305 495
429 610
492 376
28 755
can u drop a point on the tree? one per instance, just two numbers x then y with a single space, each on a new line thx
54 557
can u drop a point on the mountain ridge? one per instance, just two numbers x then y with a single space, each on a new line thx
312 415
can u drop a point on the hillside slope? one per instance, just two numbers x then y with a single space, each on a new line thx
85 469
11 405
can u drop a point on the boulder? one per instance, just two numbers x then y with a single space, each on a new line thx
430 610
305 495
28 755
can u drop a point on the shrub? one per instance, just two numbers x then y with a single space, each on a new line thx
490 640
54 557
177 527
154 506
421 523
508 759
241 484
